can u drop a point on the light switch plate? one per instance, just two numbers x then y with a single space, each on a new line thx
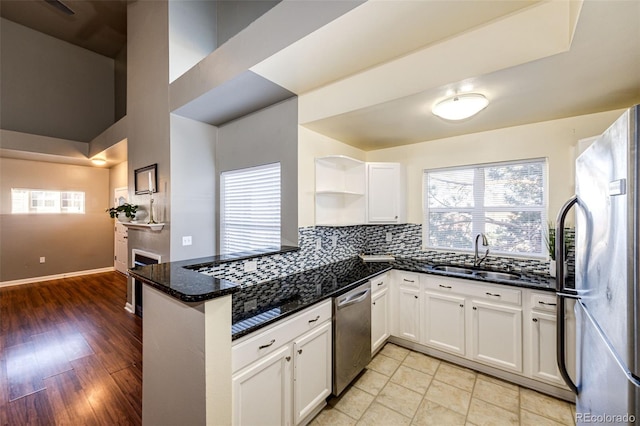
250 266
389 237
186 241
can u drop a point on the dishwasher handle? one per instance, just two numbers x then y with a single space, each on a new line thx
353 299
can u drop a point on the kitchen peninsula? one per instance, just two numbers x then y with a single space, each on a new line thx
191 319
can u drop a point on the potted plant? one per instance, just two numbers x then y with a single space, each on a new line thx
124 212
550 239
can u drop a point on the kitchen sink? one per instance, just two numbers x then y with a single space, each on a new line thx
453 269
491 275
498 275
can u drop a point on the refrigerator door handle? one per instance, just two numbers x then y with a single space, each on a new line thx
563 292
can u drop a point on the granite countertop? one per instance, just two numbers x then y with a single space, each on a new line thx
255 306
186 285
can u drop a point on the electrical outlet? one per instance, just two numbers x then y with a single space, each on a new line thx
389 237
318 243
334 241
42 259
186 241
250 305
250 266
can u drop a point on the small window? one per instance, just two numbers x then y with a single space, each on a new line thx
505 201
250 209
41 201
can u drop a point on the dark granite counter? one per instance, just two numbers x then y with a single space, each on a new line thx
258 305
177 280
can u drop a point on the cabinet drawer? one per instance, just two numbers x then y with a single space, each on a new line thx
496 293
447 285
408 279
379 283
264 342
543 302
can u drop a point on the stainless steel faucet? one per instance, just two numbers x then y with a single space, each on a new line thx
485 243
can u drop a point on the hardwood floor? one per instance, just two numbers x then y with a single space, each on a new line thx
69 353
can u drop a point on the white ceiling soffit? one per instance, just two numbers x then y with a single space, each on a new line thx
538 31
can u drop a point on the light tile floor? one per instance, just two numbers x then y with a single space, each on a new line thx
402 387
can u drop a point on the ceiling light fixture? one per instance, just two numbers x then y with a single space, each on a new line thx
459 107
99 161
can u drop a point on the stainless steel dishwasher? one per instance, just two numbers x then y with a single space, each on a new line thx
351 335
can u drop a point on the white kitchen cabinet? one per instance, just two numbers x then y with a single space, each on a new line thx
496 335
444 322
262 391
340 191
385 193
407 306
282 374
312 371
542 323
380 311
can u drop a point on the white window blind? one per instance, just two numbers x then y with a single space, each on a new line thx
250 208
505 201
41 201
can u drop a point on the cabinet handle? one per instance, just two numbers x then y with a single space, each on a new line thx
268 344
373 303
415 296
396 217
546 303
535 320
475 309
299 351
409 281
288 358
380 283
314 320
492 294
461 305
444 286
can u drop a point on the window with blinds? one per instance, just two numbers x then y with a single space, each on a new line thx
505 201
250 208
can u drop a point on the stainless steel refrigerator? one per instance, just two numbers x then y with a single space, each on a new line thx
607 275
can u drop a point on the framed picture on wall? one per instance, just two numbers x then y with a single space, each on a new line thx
146 179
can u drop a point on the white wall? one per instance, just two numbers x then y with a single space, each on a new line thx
555 140
310 146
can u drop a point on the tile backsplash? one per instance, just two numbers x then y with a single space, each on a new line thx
321 245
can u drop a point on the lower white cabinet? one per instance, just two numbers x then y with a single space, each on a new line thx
409 314
312 371
497 335
379 318
445 322
292 379
262 391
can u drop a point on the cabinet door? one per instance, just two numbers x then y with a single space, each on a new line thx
262 391
497 335
379 318
543 348
409 313
444 322
383 193
312 371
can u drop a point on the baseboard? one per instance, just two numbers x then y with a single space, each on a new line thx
56 277
129 308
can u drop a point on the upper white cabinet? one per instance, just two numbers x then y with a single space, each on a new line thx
340 191
385 193
351 192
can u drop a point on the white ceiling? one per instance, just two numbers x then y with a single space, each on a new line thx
370 78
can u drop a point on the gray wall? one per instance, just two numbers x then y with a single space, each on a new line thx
69 242
120 84
148 114
267 136
235 16
53 88
193 188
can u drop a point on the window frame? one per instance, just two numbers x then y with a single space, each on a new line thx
481 211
